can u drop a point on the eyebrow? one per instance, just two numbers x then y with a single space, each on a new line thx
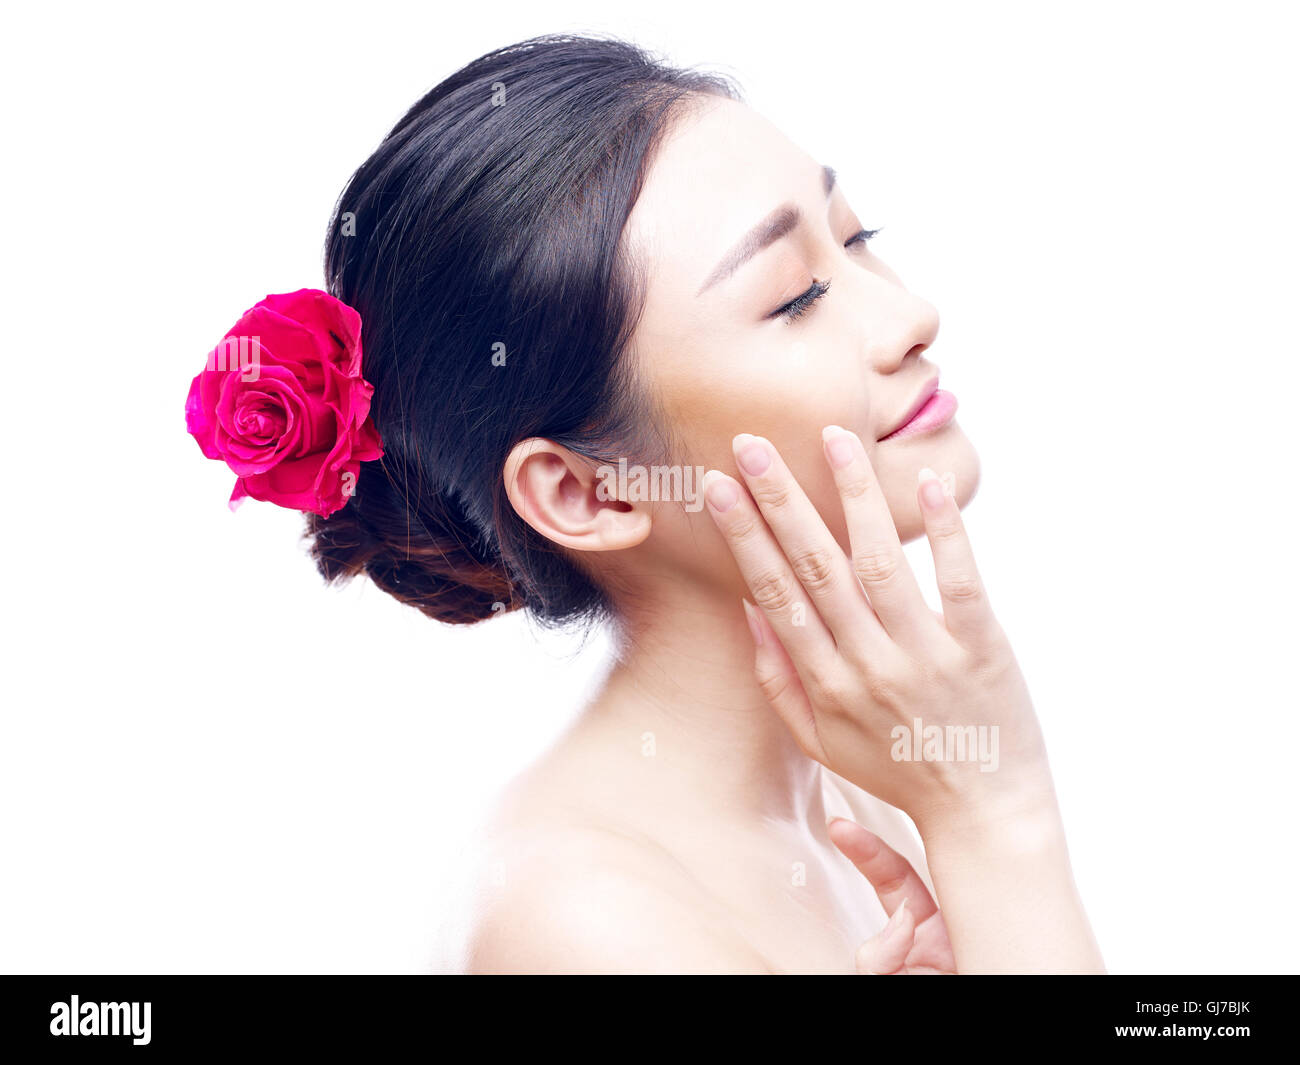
771 229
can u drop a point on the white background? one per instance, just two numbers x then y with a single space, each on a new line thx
211 762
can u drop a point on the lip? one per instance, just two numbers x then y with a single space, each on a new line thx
931 409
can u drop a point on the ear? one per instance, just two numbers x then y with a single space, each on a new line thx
560 494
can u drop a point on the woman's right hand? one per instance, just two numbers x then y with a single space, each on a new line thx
852 674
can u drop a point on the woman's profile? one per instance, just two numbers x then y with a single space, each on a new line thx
605 345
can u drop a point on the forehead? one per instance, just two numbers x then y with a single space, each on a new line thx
718 171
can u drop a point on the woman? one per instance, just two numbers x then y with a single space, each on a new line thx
584 278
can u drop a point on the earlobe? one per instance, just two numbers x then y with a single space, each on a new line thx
562 495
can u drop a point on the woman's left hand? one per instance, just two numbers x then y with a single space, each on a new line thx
915 941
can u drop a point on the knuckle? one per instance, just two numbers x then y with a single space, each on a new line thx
773 683
773 591
960 588
814 568
826 689
771 494
742 526
855 486
947 531
883 690
875 565
893 881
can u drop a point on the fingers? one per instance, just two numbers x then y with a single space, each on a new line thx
814 555
891 875
885 953
877 553
780 682
966 611
900 890
772 583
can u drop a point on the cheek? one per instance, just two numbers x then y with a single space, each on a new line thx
787 391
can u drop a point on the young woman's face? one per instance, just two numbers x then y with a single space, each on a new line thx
721 358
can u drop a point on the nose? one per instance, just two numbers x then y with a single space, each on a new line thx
906 327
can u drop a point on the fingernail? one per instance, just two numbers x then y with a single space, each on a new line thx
754 629
932 491
720 491
752 454
839 446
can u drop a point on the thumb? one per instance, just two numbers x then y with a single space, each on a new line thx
885 953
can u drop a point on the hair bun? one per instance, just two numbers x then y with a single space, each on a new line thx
430 561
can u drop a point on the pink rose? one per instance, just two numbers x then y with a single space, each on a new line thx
282 402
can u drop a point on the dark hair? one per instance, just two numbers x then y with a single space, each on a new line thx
489 221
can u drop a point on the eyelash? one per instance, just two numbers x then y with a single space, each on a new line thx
799 306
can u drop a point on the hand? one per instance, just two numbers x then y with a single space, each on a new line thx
915 941
849 654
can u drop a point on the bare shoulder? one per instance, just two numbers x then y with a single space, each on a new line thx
584 898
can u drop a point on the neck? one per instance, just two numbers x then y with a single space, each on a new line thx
684 674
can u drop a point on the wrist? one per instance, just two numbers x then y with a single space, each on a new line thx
1025 819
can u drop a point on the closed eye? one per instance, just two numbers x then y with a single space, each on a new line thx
799 306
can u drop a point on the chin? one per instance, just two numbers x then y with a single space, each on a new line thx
966 466
897 465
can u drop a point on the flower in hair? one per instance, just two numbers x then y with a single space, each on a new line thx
282 402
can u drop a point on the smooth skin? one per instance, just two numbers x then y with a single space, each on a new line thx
725 806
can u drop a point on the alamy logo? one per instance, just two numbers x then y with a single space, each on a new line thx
639 484
946 743
101 1018
238 353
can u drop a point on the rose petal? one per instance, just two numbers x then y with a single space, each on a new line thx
297 428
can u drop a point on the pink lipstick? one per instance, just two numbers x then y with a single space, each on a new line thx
935 409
